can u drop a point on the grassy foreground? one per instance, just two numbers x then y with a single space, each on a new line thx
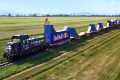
98 63
94 58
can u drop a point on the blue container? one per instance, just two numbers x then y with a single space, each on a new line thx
110 23
52 37
115 22
48 32
100 25
93 28
118 21
72 32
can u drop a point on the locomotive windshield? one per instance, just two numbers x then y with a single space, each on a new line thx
15 40
9 45
18 38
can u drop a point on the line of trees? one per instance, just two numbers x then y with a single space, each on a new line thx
18 15
64 15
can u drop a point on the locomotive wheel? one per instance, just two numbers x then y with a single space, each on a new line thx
10 58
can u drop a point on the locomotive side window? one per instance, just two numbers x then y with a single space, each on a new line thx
25 44
36 42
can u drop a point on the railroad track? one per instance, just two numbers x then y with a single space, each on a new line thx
5 64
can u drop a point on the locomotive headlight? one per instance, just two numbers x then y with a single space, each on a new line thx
8 49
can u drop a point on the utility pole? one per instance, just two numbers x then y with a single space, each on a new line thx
46 20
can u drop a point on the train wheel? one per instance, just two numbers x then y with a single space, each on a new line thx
10 58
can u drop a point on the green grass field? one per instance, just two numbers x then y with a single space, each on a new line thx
34 25
92 58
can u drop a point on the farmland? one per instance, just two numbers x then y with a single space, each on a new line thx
92 58
34 25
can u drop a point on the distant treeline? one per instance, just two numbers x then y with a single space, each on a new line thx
55 15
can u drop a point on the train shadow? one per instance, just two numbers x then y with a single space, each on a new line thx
44 56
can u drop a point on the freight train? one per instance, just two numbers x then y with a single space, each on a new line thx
24 45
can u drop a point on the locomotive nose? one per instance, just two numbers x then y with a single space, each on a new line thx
7 50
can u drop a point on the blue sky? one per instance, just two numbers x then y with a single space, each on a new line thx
60 6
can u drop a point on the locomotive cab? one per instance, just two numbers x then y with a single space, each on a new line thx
13 48
19 37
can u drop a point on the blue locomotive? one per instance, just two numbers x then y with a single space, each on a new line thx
23 45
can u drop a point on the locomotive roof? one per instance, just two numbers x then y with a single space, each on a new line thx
40 38
22 37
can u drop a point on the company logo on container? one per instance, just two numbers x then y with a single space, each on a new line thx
61 36
65 34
